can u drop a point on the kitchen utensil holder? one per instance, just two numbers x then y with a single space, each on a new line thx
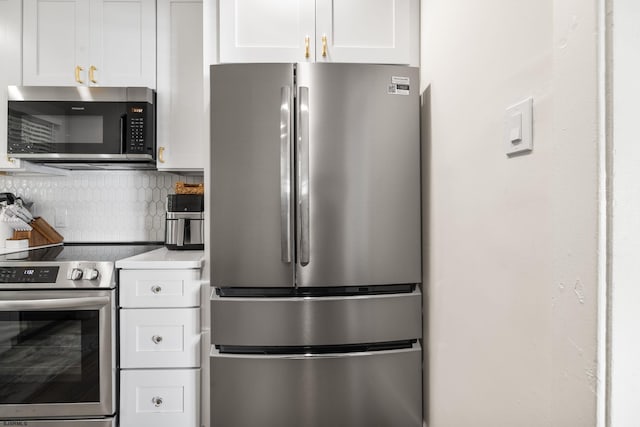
42 233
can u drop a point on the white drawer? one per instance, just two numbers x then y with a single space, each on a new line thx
159 288
160 338
160 398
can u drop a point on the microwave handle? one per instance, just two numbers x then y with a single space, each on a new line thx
123 133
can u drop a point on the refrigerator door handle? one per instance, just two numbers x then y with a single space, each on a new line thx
285 174
415 347
303 168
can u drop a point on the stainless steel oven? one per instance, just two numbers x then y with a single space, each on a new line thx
57 353
58 335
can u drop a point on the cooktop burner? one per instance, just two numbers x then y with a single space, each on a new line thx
108 252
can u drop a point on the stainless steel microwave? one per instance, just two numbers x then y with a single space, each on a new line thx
82 124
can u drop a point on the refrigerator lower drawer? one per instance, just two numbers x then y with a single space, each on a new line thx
382 389
314 321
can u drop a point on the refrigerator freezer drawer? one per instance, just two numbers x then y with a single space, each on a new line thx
380 389
315 321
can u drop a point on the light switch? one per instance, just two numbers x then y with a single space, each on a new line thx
515 128
519 127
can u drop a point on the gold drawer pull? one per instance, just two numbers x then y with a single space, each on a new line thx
324 46
92 77
78 69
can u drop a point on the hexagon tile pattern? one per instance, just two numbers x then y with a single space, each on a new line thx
99 206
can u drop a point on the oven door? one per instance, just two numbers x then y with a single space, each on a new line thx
57 353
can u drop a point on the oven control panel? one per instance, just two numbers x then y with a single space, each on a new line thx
58 275
28 274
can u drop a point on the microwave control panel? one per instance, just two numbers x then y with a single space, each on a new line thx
139 129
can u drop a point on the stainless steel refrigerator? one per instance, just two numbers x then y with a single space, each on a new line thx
316 314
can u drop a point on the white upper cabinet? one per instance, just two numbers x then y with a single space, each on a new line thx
89 42
55 41
123 42
180 86
10 34
367 31
267 31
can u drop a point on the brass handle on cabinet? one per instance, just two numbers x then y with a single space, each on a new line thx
324 46
306 47
91 75
161 154
78 69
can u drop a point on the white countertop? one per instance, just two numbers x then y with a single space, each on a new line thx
163 258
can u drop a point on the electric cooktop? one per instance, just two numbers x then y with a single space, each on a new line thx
68 266
105 252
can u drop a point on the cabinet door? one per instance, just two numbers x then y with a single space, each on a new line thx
180 86
369 31
55 42
10 19
122 46
266 31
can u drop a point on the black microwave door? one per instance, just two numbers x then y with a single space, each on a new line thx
63 127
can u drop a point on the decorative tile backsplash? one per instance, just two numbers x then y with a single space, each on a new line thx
100 206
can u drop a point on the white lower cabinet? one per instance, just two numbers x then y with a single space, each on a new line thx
150 398
159 347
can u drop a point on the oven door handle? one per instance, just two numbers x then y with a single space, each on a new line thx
53 304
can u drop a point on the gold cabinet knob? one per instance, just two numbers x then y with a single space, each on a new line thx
161 154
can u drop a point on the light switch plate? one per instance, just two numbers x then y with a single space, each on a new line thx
518 128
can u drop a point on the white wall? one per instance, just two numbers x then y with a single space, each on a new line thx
625 268
511 252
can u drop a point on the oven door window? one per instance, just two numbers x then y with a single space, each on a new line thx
64 127
49 357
